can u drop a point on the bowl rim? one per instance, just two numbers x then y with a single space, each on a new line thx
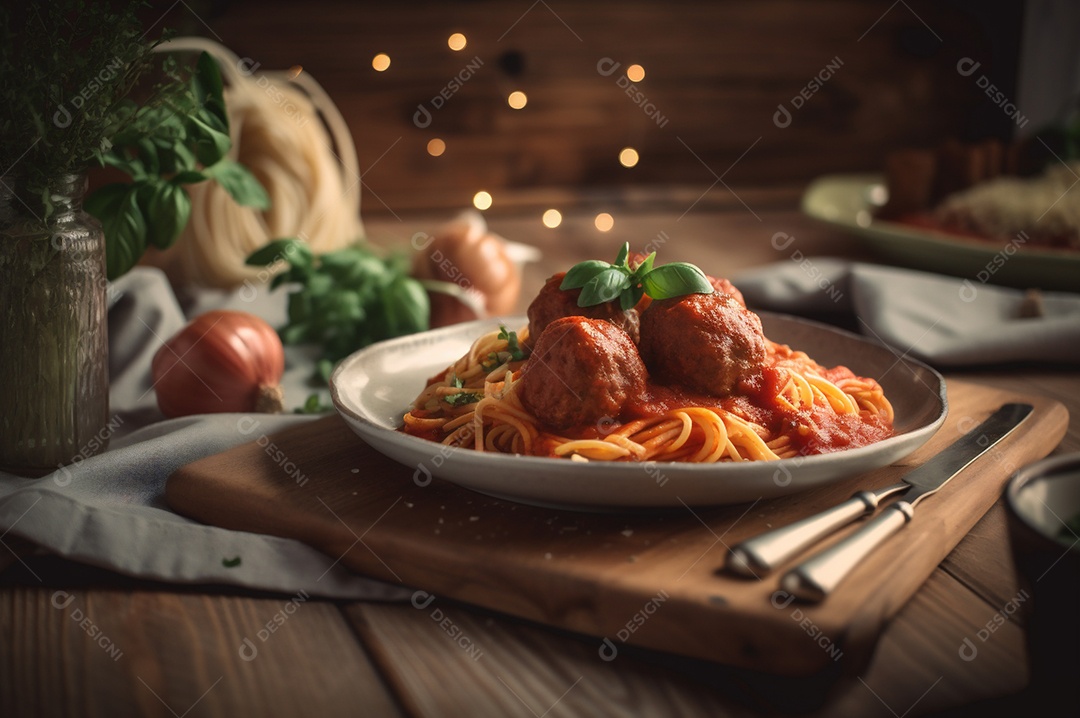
1042 470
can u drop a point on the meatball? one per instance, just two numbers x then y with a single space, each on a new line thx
723 285
553 303
581 370
704 342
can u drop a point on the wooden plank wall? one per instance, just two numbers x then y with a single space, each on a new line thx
716 73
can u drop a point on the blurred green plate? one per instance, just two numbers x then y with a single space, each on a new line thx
849 201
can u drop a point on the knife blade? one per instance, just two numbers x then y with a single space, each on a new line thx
763 553
816 578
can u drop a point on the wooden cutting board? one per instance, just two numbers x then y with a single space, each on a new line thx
647 579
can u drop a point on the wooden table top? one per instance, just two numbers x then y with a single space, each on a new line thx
124 647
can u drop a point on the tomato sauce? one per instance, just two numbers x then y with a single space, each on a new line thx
756 401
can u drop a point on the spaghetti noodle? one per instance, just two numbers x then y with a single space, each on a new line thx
798 407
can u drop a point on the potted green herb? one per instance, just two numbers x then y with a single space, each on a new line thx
69 67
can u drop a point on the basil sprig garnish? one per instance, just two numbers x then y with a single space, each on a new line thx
601 282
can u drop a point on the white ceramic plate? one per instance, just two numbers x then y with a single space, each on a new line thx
850 201
373 387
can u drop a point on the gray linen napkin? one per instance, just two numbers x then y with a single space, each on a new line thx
109 510
942 320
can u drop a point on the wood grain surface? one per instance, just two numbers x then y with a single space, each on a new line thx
716 74
646 579
152 653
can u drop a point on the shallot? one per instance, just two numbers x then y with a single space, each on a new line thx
222 361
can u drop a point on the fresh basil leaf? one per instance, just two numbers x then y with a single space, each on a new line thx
295 252
269 253
148 155
620 258
168 162
344 258
294 333
604 287
580 274
629 298
239 183
167 211
364 272
320 286
116 207
646 266
209 89
130 165
188 177
407 306
144 192
325 368
279 279
298 253
347 306
299 307
675 280
211 145
184 158
354 267
213 119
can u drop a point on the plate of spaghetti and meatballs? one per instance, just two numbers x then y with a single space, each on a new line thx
632 384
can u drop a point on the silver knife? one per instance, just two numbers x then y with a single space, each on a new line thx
762 553
816 578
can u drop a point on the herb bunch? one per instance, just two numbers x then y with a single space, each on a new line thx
345 300
66 65
601 282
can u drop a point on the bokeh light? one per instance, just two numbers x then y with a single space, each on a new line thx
604 222
628 157
436 147
456 41
635 73
380 62
552 218
517 99
481 200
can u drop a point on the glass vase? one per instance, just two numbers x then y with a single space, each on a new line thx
54 382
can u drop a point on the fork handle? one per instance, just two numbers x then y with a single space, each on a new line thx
816 578
763 553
